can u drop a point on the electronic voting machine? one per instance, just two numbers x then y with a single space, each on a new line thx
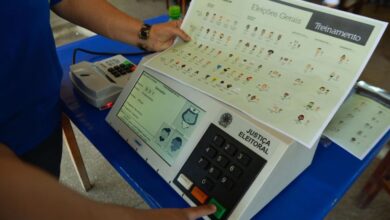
207 151
234 115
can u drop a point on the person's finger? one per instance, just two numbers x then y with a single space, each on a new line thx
178 23
180 33
197 212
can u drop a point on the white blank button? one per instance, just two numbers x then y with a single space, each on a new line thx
184 181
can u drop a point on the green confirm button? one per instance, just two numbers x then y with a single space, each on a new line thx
220 209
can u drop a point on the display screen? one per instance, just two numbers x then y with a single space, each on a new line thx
161 117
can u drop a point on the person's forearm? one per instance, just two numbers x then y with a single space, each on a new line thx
101 17
28 193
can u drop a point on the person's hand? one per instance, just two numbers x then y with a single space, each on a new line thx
163 35
177 214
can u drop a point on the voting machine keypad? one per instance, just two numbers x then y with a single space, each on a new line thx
219 171
117 69
117 66
121 69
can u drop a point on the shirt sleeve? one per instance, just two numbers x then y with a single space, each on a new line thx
53 2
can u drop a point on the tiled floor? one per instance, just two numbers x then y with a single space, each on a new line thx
110 187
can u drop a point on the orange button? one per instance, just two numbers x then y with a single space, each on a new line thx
199 195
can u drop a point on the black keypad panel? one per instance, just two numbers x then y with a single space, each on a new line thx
121 69
222 168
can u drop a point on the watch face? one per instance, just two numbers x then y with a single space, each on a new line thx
144 32
225 119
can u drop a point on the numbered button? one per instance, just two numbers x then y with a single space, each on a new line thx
203 163
217 141
226 182
235 171
116 73
122 72
230 149
243 159
211 152
207 183
222 160
214 172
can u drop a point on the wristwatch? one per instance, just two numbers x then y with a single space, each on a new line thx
144 32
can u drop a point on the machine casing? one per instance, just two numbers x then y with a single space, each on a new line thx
284 158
